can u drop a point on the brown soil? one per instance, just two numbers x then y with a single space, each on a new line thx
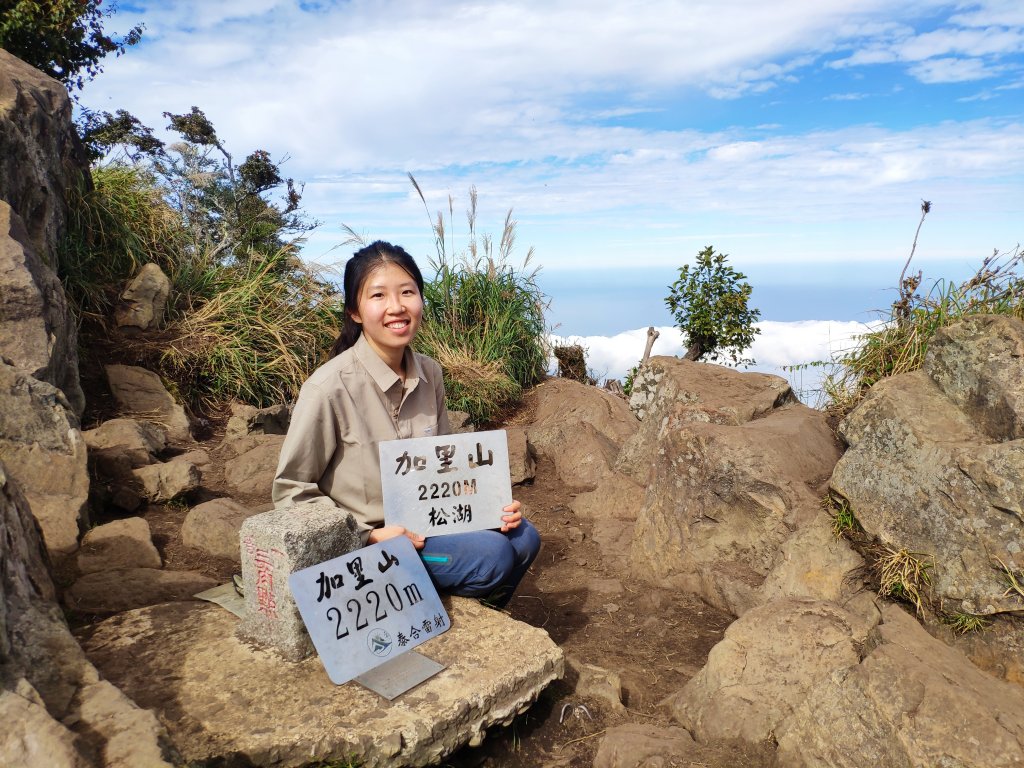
654 639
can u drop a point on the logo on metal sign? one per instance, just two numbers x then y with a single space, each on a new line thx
379 642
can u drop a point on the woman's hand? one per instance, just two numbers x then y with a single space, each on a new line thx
393 532
512 517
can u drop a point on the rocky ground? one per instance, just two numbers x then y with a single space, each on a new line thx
628 646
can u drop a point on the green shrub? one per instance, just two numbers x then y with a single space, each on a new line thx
710 306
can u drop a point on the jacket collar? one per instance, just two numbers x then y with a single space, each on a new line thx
382 375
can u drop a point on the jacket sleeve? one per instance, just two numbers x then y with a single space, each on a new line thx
308 449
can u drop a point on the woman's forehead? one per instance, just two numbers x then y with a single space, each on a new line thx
387 273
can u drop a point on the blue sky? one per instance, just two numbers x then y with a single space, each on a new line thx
799 136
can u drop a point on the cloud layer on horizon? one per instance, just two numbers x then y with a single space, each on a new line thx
778 345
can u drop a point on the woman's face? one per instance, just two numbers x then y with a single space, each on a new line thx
389 309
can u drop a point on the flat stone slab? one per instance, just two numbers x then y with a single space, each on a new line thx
227 703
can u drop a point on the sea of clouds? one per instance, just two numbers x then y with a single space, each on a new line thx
777 348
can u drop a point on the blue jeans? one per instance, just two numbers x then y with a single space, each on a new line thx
481 563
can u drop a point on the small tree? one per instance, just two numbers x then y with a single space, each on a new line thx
709 303
63 38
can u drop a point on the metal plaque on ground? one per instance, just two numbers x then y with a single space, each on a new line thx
446 483
366 607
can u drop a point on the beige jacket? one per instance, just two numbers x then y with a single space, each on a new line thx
344 409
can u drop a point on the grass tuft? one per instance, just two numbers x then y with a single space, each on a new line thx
265 329
483 317
899 343
844 522
1013 580
964 623
903 575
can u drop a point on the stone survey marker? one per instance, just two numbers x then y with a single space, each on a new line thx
446 484
368 607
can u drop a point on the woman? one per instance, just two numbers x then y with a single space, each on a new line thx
376 388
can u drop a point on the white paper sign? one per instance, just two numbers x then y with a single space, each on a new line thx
367 607
446 483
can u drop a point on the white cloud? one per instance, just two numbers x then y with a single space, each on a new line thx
542 105
777 346
952 70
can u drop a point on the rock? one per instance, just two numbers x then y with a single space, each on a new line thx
142 303
124 543
814 564
44 451
31 738
722 497
582 455
123 589
763 669
921 476
713 393
187 664
142 395
40 159
561 401
998 649
978 363
126 736
46 674
214 527
140 441
612 509
40 154
597 683
645 746
458 421
522 466
168 480
37 331
275 545
911 701
249 420
252 471
580 429
198 457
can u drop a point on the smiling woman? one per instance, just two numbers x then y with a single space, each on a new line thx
377 388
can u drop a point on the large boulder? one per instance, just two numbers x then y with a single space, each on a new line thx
124 543
214 527
764 667
44 451
143 301
187 664
37 331
41 156
251 472
580 429
733 467
911 701
935 465
54 707
141 395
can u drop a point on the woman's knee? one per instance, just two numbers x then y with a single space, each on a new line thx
525 540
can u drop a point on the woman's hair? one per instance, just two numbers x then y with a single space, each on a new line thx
357 269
